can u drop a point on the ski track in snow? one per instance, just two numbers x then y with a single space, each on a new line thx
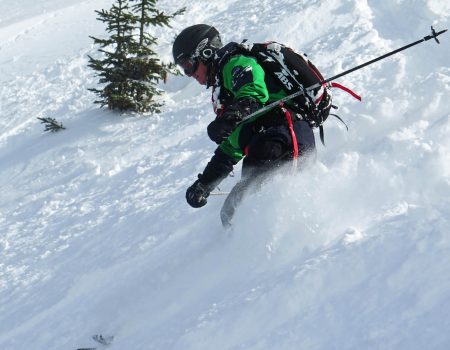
96 237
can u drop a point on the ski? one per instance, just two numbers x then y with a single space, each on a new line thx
101 339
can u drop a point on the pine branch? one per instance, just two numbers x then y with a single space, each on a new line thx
51 124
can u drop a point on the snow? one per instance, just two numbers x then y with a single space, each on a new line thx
96 236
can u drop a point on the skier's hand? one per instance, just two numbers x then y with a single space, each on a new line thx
222 127
196 195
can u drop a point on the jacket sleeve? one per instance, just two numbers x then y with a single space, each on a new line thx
244 78
218 168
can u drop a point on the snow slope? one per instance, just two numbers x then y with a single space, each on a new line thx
96 237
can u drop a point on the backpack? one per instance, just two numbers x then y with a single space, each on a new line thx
295 72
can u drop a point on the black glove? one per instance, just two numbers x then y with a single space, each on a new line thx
222 127
196 194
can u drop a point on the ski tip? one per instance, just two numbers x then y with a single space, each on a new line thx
103 339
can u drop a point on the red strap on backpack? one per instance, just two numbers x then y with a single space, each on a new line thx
346 89
288 116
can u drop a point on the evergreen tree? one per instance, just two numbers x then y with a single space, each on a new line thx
120 25
145 68
130 69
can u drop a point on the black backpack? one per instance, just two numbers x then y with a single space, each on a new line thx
295 72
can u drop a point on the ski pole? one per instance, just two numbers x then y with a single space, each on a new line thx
433 35
302 91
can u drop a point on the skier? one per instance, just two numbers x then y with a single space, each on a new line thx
239 87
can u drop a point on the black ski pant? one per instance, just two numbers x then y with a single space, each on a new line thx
267 151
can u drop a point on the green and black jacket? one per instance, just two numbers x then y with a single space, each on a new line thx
240 88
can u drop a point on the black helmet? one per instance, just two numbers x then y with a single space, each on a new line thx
199 41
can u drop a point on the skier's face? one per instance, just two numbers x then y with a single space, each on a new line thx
200 73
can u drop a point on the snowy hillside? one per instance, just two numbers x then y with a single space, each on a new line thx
96 236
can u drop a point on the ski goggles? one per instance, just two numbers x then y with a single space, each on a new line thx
189 65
